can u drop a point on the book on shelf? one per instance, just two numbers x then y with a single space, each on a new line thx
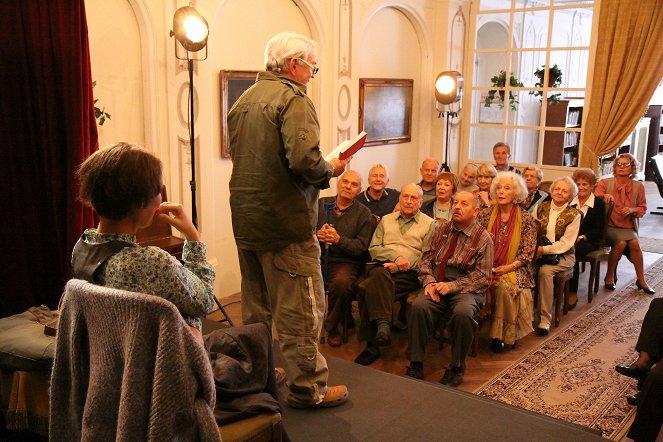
348 147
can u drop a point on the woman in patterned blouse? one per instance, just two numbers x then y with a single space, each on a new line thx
123 183
513 229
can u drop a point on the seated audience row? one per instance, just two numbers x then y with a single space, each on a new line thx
568 221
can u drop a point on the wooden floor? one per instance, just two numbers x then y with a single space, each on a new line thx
486 364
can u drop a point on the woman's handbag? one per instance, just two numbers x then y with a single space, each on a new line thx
552 259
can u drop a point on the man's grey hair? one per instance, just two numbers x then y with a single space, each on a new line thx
376 166
285 46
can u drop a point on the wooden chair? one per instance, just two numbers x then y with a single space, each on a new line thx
156 391
561 293
594 259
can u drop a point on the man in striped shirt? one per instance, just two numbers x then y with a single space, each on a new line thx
455 271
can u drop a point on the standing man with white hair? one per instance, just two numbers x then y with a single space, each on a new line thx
278 170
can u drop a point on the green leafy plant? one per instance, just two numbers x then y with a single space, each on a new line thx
554 80
100 114
499 80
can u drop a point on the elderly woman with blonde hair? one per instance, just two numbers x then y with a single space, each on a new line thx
560 224
513 230
485 176
630 206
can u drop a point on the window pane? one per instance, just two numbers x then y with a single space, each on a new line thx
531 4
528 111
573 64
482 113
561 148
492 31
572 27
494 4
489 65
482 140
533 26
529 62
524 145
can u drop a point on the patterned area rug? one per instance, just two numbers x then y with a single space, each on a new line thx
571 376
651 245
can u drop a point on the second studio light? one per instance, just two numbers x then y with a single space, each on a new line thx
448 87
190 29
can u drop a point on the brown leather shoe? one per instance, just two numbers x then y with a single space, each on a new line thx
335 396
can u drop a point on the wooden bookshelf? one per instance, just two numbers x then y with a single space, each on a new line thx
560 148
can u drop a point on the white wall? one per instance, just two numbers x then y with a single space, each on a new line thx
142 84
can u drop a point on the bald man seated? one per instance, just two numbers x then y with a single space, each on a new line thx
429 170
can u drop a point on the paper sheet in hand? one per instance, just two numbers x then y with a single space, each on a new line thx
348 147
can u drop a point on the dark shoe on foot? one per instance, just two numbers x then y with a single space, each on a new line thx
497 346
573 304
334 397
632 371
647 290
334 340
542 331
368 356
612 286
633 400
414 372
382 338
453 376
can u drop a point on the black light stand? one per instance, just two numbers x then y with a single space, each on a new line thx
192 144
449 115
191 46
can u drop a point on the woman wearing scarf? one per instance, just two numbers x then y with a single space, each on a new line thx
513 229
630 204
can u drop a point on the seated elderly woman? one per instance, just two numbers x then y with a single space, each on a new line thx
533 177
591 229
122 183
622 232
513 229
560 224
445 187
484 178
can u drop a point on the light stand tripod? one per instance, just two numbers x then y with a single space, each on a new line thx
449 115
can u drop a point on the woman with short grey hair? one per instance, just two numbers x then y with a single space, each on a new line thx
559 229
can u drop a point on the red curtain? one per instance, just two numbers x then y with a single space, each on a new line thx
47 127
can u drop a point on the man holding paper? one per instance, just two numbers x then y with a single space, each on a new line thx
278 170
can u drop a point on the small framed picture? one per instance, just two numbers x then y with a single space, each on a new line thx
233 84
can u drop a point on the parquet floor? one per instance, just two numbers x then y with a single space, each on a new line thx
486 364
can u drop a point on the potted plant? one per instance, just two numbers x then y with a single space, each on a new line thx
499 80
554 80
100 113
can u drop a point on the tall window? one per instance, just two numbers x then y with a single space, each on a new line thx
529 79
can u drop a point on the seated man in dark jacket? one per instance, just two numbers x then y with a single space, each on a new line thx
344 231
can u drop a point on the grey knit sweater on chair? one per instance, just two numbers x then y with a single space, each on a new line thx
127 367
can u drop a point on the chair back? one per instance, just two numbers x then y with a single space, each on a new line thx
656 164
127 367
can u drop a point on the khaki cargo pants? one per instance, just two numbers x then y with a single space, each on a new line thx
285 287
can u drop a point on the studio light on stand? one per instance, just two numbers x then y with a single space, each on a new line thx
190 30
448 90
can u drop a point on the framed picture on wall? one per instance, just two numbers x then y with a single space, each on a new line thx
385 110
233 84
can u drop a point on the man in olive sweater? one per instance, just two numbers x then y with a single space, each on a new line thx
344 231
395 250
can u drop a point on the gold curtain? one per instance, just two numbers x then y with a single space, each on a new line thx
627 70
